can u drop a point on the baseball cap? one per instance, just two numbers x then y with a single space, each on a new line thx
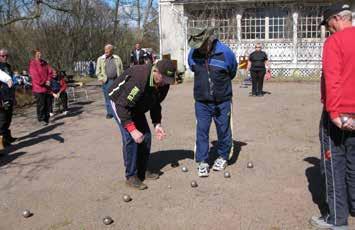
167 69
197 36
333 10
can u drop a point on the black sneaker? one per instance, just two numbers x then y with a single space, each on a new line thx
108 116
151 176
136 183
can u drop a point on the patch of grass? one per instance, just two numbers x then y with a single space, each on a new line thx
23 97
60 224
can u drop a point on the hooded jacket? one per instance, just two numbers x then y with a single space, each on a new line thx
213 73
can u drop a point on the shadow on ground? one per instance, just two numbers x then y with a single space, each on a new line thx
9 154
316 184
237 147
40 131
160 159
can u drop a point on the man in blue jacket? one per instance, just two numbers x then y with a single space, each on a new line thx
214 66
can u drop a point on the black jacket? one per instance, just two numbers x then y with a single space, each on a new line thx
141 58
134 93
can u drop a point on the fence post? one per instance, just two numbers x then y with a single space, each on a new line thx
295 40
239 28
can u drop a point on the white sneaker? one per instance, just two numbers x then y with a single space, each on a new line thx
320 223
220 164
65 112
51 114
203 169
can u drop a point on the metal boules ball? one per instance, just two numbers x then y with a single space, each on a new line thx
344 119
26 213
127 198
250 165
227 175
184 169
107 220
194 184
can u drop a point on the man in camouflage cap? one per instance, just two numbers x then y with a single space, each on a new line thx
214 66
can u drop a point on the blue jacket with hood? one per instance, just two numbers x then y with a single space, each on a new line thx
213 73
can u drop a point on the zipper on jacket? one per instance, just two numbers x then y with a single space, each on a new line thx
209 75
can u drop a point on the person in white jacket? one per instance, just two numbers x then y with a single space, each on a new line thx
6 79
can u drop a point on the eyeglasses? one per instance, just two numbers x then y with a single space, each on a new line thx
257 47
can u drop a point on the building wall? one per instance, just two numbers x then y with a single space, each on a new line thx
173 32
288 56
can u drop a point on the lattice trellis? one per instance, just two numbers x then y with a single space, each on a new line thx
290 56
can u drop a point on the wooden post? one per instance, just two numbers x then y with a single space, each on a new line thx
239 27
267 28
295 36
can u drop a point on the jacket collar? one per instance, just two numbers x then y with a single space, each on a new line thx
113 56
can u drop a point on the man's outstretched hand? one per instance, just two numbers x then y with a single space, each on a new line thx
159 132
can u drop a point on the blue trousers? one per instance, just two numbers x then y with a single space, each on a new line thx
135 156
105 88
220 113
338 166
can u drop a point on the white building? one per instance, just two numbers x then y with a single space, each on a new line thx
288 29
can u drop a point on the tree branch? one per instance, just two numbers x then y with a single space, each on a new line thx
36 14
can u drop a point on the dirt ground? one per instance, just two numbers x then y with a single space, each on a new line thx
70 174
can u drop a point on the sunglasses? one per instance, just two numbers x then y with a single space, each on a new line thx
5 55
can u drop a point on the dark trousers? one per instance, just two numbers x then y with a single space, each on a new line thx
43 101
63 100
105 88
51 98
338 158
5 121
220 113
136 156
257 78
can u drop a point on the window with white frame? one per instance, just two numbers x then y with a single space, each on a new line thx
200 23
226 29
253 28
255 20
308 27
277 28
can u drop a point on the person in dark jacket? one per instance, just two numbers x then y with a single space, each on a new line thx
138 56
7 101
214 66
138 90
257 65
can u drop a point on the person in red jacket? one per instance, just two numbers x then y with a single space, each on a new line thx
337 131
41 74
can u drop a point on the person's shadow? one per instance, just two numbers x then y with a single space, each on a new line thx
237 147
160 159
316 184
